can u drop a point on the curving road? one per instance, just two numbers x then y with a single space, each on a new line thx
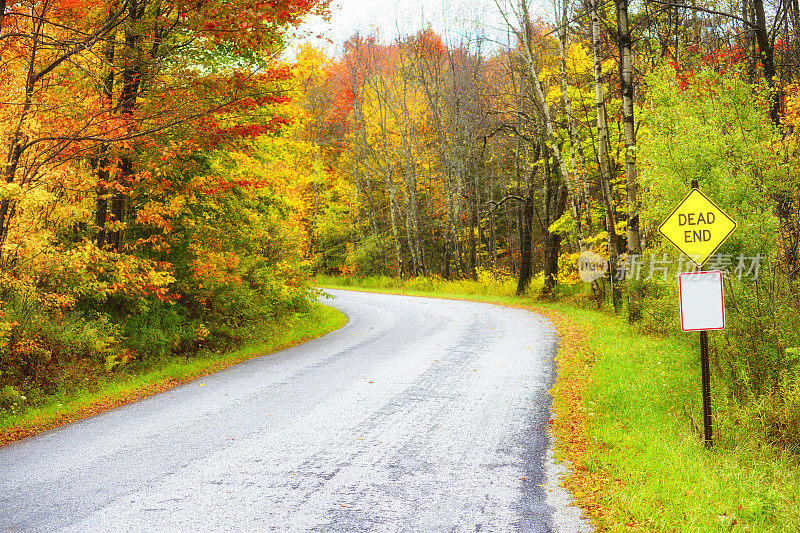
419 415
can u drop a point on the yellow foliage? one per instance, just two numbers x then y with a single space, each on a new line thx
579 59
609 66
5 332
492 277
554 94
568 269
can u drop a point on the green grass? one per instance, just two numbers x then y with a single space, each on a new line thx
169 372
644 404
643 407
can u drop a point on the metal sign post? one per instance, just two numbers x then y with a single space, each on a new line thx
707 428
698 228
702 305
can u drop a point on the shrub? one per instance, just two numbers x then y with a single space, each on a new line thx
161 330
779 412
10 399
368 258
43 353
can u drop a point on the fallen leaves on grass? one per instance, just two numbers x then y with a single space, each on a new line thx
589 483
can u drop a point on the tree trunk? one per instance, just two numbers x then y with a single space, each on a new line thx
631 183
552 246
492 223
131 82
530 60
410 226
416 228
2 18
580 199
525 244
547 193
767 54
626 85
749 41
393 218
17 144
525 223
472 263
103 163
602 155
449 241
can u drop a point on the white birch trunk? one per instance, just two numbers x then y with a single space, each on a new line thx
602 151
626 83
550 136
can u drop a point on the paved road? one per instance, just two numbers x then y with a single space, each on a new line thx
419 415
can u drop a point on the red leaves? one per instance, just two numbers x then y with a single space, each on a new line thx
342 106
216 267
431 44
281 73
275 99
76 8
214 185
69 4
683 78
217 133
252 184
253 103
247 23
717 59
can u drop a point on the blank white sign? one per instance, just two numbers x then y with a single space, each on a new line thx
702 301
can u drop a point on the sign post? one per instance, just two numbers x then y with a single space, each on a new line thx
708 429
703 309
698 228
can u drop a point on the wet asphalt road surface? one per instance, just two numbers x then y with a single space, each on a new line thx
419 415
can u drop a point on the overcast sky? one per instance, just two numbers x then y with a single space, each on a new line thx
449 18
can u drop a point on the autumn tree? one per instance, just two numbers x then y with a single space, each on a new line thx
147 198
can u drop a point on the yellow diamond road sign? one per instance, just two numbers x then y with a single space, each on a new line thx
697 227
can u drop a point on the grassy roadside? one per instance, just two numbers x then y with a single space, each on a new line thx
627 407
642 408
171 372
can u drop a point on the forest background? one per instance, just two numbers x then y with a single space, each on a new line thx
171 184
